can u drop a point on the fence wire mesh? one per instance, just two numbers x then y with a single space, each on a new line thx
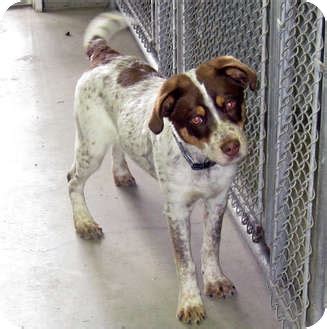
300 79
208 33
167 38
142 14
279 173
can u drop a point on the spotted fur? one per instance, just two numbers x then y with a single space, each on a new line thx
136 112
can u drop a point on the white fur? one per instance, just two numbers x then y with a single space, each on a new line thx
104 26
108 114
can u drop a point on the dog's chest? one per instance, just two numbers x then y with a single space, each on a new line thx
206 183
176 175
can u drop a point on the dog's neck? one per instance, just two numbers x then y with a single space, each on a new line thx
193 156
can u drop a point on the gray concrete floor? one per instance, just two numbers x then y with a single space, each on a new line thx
49 277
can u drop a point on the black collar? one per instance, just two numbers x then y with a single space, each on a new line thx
186 154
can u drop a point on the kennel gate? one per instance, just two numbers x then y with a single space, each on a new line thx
279 193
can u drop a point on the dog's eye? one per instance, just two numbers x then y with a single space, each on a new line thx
197 120
230 105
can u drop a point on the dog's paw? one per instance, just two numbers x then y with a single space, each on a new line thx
191 310
88 229
124 180
219 288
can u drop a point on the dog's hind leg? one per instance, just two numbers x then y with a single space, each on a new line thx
86 163
120 170
94 135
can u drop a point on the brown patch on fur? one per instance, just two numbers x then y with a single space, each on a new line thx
220 288
124 180
225 78
235 69
191 314
180 100
100 53
199 110
242 122
166 100
222 88
180 248
191 139
136 73
220 101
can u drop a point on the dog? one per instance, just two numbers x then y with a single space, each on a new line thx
187 131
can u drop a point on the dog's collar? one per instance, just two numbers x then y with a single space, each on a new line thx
186 154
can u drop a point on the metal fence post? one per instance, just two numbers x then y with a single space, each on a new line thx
283 132
318 262
280 152
298 110
272 114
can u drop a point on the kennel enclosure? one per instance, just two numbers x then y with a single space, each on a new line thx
279 194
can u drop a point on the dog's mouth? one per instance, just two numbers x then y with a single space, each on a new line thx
228 151
231 160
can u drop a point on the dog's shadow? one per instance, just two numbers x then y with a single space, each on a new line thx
136 212
144 205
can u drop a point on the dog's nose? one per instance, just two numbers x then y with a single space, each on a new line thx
231 147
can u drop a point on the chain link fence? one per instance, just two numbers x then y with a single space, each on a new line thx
299 95
143 13
278 192
209 32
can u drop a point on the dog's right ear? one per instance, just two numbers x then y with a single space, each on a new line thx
165 102
235 69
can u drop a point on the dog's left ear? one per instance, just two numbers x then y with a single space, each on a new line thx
236 70
170 91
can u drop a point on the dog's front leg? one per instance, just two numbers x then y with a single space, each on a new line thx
190 306
216 284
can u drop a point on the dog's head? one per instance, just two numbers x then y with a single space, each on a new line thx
206 107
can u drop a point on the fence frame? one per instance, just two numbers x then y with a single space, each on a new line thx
317 289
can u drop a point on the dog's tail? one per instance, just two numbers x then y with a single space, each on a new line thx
104 26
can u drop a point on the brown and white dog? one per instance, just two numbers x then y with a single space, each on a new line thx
186 131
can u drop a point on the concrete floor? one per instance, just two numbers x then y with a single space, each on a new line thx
49 277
